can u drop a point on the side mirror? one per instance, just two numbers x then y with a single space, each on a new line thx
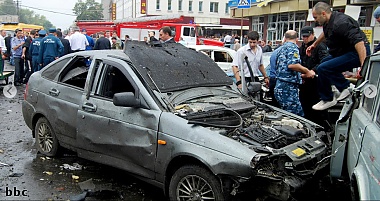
126 99
254 87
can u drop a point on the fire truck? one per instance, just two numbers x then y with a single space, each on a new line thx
137 29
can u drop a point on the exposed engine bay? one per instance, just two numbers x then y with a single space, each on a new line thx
272 133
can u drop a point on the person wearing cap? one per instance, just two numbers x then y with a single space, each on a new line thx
90 40
308 89
288 75
78 41
348 48
51 48
237 45
34 50
376 15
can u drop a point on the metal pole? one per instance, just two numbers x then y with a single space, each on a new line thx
241 28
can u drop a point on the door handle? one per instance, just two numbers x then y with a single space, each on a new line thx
89 107
54 92
361 132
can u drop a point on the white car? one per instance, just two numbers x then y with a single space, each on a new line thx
221 55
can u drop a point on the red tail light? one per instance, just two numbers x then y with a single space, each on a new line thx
26 91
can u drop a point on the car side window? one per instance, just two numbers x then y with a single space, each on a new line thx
52 71
220 56
374 79
75 73
113 81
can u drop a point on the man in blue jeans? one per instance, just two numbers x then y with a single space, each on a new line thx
348 48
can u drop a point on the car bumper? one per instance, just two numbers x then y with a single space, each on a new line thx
28 112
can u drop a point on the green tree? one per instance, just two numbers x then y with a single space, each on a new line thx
8 7
88 10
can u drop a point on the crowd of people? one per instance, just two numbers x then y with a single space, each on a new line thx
31 51
302 79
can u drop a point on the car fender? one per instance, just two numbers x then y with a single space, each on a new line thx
361 178
221 154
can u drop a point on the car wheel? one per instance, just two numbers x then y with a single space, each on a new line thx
192 182
46 139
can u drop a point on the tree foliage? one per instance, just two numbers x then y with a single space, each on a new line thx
88 10
8 7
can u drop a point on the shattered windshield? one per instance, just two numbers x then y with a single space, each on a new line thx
173 67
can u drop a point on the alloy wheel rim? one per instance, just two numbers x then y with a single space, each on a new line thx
45 138
194 188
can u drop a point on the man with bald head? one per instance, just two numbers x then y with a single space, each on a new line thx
348 47
288 73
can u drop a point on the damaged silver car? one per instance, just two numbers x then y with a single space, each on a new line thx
171 117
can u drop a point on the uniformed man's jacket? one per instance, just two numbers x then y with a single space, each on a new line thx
320 52
34 48
289 54
50 47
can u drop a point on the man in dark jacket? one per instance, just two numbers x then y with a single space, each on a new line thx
8 45
348 48
166 35
28 70
51 48
34 50
308 89
65 43
102 43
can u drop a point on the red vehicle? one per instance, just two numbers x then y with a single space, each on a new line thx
192 34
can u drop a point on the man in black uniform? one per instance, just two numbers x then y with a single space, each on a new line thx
102 43
348 48
308 89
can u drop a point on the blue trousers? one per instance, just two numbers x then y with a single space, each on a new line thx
35 65
287 97
330 72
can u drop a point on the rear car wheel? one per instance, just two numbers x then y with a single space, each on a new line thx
192 182
46 140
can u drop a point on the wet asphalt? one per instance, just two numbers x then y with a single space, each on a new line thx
28 175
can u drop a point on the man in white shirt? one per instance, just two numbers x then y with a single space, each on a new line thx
3 47
255 57
78 41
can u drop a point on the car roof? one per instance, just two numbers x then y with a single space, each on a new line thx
173 67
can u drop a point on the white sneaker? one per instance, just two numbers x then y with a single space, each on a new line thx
343 95
322 105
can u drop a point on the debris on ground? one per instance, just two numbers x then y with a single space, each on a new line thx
48 173
75 177
16 174
75 166
87 185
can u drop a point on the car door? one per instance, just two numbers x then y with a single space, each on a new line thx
124 137
69 90
364 140
188 35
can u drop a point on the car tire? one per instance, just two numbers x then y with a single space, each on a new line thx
46 140
190 181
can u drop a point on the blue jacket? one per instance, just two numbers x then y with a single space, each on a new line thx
90 42
34 48
50 47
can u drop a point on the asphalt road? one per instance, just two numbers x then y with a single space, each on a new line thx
28 175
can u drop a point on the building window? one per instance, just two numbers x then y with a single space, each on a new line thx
258 25
179 4
214 7
157 4
169 4
278 24
200 6
190 6
227 11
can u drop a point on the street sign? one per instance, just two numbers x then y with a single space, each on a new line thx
244 4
